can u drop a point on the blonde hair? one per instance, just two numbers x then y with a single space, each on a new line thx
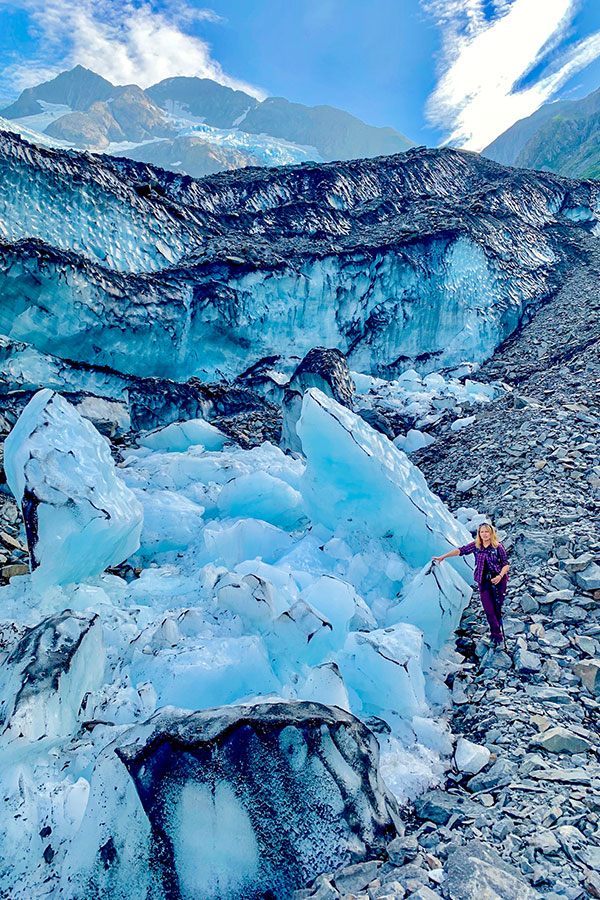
494 537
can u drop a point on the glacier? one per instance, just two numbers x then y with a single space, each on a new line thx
206 328
422 259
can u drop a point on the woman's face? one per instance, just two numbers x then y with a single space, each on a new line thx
485 534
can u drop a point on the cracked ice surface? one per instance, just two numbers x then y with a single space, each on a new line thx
263 583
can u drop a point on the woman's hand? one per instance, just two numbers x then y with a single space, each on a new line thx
497 579
437 558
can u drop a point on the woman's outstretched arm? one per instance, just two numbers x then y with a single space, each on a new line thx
446 555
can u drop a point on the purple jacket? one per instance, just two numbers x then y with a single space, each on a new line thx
495 556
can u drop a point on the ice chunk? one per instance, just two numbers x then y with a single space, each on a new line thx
354 474
262 496
171 521
434 601
462 423
249 596
322 368
324 684
79 515
300 635
383 671
413 440
247 800
110 854
45 678
181 435
334 599
469 757
216 671
246 539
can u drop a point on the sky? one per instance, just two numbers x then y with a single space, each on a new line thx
439 71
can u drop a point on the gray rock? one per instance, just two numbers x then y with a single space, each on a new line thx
592 884
578 564
325 891
543 840
589 579
578 775
438 806
591 857
586 644
501 773
561 740
528 604
548 693
555 596
560 582
424 893
351 879
402 849
526 661
589 672
476 872
392 890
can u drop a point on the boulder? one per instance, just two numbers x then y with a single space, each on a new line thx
562 740
476 872
589 672
589 579
438 806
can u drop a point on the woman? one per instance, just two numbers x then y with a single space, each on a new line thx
491 575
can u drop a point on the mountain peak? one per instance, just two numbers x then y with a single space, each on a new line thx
77 87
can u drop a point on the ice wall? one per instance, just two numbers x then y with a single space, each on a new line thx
53 197
423 258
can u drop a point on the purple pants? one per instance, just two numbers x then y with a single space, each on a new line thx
487 600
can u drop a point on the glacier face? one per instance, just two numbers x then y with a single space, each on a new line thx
424 258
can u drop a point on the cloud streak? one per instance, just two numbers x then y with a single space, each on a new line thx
126 42
485 60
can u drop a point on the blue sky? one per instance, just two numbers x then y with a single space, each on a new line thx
436 70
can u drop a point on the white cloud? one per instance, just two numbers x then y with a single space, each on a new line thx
126 42
477 96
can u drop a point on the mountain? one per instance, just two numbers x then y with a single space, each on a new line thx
202 98
559 137
129 116
335 134
77 88
215 126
